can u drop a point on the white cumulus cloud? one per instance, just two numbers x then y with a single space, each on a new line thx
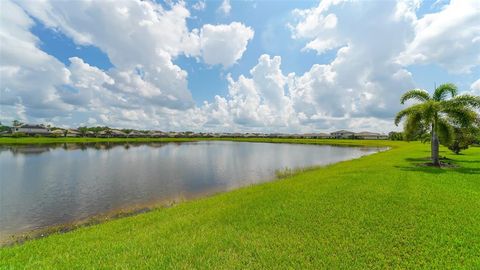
140 38
225 7
29 78
217 46
363 80
359 89
200 5
450 38
475 87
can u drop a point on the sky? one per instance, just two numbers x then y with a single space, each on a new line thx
230 66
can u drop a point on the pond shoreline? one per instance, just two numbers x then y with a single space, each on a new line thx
379 211
21 237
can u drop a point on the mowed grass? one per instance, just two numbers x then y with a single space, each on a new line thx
380 211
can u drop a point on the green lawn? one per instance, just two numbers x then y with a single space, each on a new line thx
380 211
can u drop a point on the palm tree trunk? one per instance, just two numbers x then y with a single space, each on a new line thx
435 145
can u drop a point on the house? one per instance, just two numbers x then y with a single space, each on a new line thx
342 134
157 134
103 133
73 133
160 134
316 135
117 133
365 135
249 135
276 135
280 135
135 133
58 133
111 133
30 129
173 134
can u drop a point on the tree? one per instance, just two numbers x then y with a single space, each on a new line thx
437 115
463 138
108 132
16 123
395 136
83 131
4 128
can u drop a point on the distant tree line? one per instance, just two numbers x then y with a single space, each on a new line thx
395 136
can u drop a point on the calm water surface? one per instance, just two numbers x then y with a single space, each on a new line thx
45 185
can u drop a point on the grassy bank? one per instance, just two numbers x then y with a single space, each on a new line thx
380 211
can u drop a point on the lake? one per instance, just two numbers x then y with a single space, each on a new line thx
46 185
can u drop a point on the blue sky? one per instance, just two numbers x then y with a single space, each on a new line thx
268 18
342 83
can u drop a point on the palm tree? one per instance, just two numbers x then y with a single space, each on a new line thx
108 132
83 131
16 123
438 114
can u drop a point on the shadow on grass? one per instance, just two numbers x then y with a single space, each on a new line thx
418 168
468 170
468 161
418 165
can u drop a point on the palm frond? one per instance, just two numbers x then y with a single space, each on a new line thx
430 110
442 91
418 94
415 109
461 116
462 101
425 137
414 126
445 131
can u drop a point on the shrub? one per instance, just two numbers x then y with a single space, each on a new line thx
463 138
395 136
18 135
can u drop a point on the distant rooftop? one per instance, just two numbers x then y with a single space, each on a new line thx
343 131
32 126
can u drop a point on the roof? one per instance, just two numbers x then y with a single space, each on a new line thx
32 126
116 132
136 133
73 131
58 131
367 133
316 134
343 131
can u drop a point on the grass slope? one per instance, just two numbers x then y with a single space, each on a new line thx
380 211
